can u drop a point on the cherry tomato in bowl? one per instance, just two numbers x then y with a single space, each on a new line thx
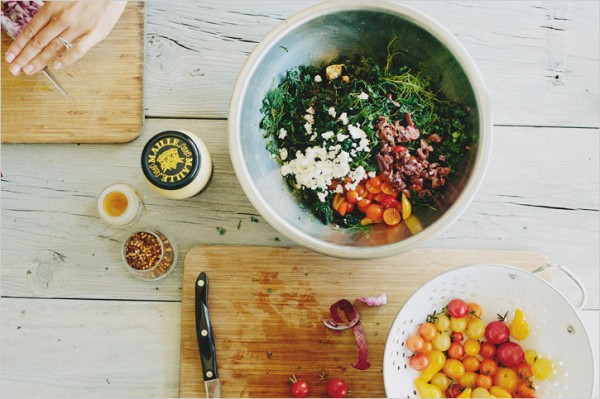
497 332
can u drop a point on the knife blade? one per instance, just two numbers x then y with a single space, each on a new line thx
206 342
56 83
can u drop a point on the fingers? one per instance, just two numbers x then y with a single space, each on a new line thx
29 38
80 48
44 47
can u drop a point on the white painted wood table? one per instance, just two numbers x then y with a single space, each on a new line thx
74 323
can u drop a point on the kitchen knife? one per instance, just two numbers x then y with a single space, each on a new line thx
56 83
206 342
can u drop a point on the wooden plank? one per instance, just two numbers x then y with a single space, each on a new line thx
266 307
106 86
89 349
539 60
535 197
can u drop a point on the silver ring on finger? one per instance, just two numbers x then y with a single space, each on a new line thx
68 45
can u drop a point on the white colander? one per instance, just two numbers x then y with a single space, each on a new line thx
556 332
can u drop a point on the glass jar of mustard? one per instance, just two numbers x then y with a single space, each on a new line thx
176 164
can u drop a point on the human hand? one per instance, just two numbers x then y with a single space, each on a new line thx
82 24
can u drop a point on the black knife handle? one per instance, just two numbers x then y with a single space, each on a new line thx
204 334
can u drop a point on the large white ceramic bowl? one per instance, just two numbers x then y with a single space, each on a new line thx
319 34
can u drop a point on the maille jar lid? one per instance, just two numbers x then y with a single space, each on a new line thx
171 160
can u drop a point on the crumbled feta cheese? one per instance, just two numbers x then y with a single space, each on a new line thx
344 118
318 78
332 112
327 135
308 128
355 176
313 137
372 173
363 96
317 168
322 196
339 189
282 133
358 134
341 137
283 153
311 110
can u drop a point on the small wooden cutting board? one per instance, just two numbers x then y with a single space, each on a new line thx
106 86
266 306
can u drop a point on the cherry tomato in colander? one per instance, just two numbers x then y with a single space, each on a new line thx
510 354
497 332
458 308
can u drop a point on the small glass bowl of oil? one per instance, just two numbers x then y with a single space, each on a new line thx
120 205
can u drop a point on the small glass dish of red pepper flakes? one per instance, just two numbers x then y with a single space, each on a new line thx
149 254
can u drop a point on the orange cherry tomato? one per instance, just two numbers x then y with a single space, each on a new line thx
363 204
337 201
427 331
488 367
484 381
456 351
420 361
374 211
361 189
471 363
525 390
415 343
391 216
387 188
380 196
352 196
343 208
428 347
487 350
474 309
524 371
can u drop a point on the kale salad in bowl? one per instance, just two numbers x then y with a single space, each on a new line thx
359 130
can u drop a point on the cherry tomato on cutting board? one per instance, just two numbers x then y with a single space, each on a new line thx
337 388
299 387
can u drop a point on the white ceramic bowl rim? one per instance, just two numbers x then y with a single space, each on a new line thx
483 150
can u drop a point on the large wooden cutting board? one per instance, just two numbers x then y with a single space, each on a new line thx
266 307
106 84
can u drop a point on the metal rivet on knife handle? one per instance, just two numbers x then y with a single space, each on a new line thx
200 283
204 333
209 374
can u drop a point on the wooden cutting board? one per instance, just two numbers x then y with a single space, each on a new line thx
266 306
106 84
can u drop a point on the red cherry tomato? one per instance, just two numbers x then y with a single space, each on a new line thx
458 308
299 387
337 388
454 390
487 350
510 354
456 350
456 336
497 332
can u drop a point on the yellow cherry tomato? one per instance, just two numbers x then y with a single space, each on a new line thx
542 368
475 328
480 393
519 329
498 392
406 207
454 369
458 324
436 362
414 224
468 380
472 347
426 390
530 356
441 381
506 379
466 393
442 322
441 341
